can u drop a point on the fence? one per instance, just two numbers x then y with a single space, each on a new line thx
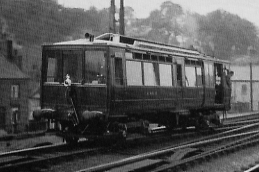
245 88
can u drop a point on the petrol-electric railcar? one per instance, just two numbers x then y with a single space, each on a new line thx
95 86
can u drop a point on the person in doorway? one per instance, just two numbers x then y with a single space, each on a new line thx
228 78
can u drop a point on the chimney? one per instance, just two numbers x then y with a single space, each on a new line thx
9 49
19 62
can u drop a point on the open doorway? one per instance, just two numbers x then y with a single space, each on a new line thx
219 87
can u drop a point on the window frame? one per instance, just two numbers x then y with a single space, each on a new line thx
15 91
105 64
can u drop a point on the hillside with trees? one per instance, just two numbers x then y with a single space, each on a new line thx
218 33
30 23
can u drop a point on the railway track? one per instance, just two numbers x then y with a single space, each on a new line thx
41 155
184 154
27 158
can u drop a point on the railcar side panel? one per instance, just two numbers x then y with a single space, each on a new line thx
209 98
193 97
144 99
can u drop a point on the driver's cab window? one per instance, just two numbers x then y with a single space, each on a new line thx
53 60
95 69
72 65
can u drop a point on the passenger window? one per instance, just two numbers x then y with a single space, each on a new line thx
179 75
151 77
118 71
209 74
190 76
206 73
165 76
199 76
137 56
134 73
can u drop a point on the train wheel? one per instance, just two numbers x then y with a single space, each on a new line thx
69 136
71 140
123 130
202 124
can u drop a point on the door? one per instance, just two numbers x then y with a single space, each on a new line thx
179 82
2 117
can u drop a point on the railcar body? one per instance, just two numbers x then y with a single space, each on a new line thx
115 78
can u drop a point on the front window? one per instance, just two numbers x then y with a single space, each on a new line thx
95 70
53 58
72 65
60 63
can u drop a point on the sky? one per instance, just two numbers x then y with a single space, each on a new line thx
247 9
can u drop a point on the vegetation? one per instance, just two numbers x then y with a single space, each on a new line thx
32 22
219 33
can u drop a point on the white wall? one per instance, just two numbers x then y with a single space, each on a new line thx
241 79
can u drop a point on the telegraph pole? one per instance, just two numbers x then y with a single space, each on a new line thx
112 18
122 25
251 86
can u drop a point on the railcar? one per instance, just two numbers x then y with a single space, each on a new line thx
95 86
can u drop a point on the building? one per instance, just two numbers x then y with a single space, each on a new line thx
245 85
13 90
34 102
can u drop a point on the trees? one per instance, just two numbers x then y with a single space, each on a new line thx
218 33
223 34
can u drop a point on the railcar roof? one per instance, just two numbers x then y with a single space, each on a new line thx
138 44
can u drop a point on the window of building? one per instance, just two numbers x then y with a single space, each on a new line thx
15 91
134 73
151 77
165 75
118 71
15 115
